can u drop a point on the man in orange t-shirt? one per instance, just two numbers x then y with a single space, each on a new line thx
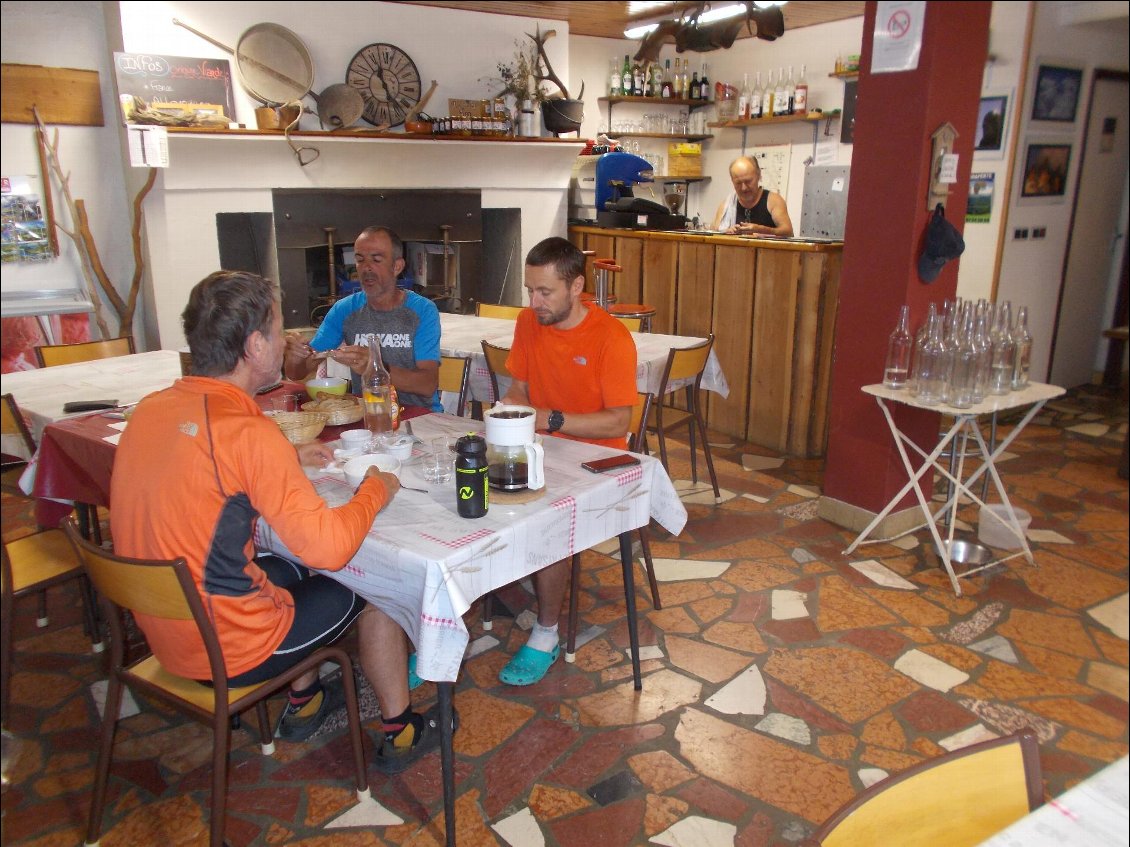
576 365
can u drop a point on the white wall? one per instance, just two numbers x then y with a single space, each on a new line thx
1031 269
34 34
816 47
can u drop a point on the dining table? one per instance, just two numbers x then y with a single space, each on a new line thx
424 565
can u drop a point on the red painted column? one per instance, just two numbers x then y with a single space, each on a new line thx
896 114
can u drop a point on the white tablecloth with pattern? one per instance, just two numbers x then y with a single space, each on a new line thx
424 565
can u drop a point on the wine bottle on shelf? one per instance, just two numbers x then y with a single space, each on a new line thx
637 81
656 80
755 98
790 93
743 99
680 91
801 101
704 85
780 95
694 92
767 96
614 78
668 85
626 77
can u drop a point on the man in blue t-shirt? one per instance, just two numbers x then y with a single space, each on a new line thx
406 324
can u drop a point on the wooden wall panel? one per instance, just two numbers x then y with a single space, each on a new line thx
829 312
660 266
629 256
805 352
694 301
61 95
735 272
774 324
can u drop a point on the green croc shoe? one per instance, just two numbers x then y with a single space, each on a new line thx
528 665
414 681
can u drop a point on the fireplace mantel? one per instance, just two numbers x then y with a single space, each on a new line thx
213 172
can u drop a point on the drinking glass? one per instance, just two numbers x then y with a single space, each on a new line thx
285 403
437 466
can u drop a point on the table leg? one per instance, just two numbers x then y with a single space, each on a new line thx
447 757
628 567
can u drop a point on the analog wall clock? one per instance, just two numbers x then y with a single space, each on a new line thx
388 83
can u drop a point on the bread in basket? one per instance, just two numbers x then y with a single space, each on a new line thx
338 410
299 427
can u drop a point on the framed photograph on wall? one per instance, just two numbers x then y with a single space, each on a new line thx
1047 166
990 138
1057 94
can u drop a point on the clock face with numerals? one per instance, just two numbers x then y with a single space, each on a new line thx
388 82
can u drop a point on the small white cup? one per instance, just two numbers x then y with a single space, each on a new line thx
356 439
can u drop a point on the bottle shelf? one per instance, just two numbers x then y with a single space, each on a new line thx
656 101
667 135
809 117
845 75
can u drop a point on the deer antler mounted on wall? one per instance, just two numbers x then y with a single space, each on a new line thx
543 70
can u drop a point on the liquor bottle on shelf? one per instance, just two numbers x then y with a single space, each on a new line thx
694 93
614 78
656 80
626 77
681 79
800 104
790 91
780 95
637 81
755 98
668 84
704 85
744 99
767 97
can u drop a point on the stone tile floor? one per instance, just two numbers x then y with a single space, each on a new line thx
780 678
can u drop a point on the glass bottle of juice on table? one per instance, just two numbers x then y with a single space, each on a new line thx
381 410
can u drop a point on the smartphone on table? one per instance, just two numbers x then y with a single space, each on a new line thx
612 463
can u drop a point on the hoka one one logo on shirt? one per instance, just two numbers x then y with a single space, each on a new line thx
391 339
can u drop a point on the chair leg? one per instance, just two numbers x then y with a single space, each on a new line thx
266 734
221 747
662 439
105 752
41 618
95 524
574 591
488 611
649 567
90 615
706 453
693 409
361 777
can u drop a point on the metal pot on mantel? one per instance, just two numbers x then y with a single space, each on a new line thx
563 115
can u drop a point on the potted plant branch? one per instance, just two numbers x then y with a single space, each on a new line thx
522 79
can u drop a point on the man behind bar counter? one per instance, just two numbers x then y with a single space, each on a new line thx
751 209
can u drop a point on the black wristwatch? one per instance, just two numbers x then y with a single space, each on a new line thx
556 421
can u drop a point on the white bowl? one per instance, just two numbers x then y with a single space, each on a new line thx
356 468
398 446
355 439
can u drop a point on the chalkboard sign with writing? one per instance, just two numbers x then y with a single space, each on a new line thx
182 83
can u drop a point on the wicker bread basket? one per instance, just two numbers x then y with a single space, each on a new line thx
338 410
299 427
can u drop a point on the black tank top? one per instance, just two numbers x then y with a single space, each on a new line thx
759 214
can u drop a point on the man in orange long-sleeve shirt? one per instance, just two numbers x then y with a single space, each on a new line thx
197 466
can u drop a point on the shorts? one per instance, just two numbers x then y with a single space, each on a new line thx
323 611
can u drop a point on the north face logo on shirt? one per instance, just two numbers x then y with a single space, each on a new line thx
189 428
580 360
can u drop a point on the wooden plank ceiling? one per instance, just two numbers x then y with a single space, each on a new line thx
610 19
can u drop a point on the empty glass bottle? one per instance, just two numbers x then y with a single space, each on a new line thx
964 374
930 363
982 343
919 341
1004 352
897 370
1023 341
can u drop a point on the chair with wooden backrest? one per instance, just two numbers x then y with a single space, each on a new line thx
496 365
50 355
632 323
15 427
961 798
684 364
454 373
165 589
33 564
493 310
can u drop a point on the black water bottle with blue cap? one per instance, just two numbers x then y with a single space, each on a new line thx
471 489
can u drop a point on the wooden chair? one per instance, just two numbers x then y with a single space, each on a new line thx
684 364
165 589
33 564
961 798
496 365
633 323
13 424
493 310
454 374
50 355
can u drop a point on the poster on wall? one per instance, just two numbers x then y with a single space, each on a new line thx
26 230
174 90
1057 93
989 140
979 206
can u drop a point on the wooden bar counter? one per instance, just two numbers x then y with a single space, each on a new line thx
771 305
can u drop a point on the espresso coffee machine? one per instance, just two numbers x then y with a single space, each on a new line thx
617 206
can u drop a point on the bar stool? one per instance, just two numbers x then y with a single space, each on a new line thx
634 310
601 268
589 297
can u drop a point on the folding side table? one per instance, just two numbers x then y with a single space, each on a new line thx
965 425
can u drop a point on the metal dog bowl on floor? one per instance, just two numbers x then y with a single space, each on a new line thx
969 552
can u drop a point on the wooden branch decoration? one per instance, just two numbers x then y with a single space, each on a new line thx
543 71
138 259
